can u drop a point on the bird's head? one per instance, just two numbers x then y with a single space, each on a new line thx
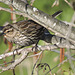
8 31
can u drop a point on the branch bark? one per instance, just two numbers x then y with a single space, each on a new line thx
40 48
15 63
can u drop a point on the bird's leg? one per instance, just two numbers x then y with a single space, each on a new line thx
16 52
18 47
13 57
35 47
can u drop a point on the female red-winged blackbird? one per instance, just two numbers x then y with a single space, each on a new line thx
25 33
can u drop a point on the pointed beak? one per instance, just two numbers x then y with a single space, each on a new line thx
1 30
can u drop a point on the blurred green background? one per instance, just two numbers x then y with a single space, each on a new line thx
52 58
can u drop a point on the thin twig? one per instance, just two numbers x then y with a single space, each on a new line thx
14 12
68 3
58 65
68 49
36 62
13 71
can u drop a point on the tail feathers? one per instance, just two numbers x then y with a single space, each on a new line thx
57 13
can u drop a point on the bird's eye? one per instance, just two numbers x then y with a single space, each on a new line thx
8 31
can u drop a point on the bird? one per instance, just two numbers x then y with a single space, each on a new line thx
26 32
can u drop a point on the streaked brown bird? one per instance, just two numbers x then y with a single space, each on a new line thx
25 33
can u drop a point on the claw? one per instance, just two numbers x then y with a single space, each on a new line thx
34 48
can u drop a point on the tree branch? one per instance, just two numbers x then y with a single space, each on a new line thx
24 53
40 48
15 63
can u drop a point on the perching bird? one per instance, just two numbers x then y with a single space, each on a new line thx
25 33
